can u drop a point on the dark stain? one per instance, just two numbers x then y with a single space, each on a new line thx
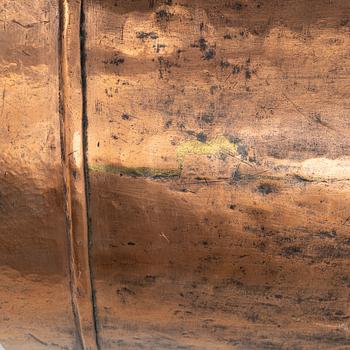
236 175
344 21
330 338
224 64
116 60
232 206
168 123
213 89
179 52
164 67
332 251
327 234
252 317
227 36
266 189
248 73
209 54
345 280
269 345
242 150
207 118
158 47
291 251
229 282
182 126
131 243
202 137
163 15
125 116
202 44
222 156
146 35
98 107
233 139
208 51
237 6
236 69
253 159
190 132
150 279
124 293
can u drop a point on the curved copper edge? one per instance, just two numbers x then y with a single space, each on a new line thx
72 152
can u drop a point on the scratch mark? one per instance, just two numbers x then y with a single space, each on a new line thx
164 236
29 25
3 102
38 340
298 109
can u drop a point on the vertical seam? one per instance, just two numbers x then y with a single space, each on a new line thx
85 124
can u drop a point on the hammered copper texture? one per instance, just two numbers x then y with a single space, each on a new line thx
217 168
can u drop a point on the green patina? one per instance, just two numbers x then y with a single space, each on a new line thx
136 171
215 147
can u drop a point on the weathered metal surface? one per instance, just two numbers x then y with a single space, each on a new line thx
220 195
213 148
35 299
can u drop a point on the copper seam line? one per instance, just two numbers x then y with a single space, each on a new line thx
73 161
85 159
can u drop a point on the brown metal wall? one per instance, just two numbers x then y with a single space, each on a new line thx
214 139
246 249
